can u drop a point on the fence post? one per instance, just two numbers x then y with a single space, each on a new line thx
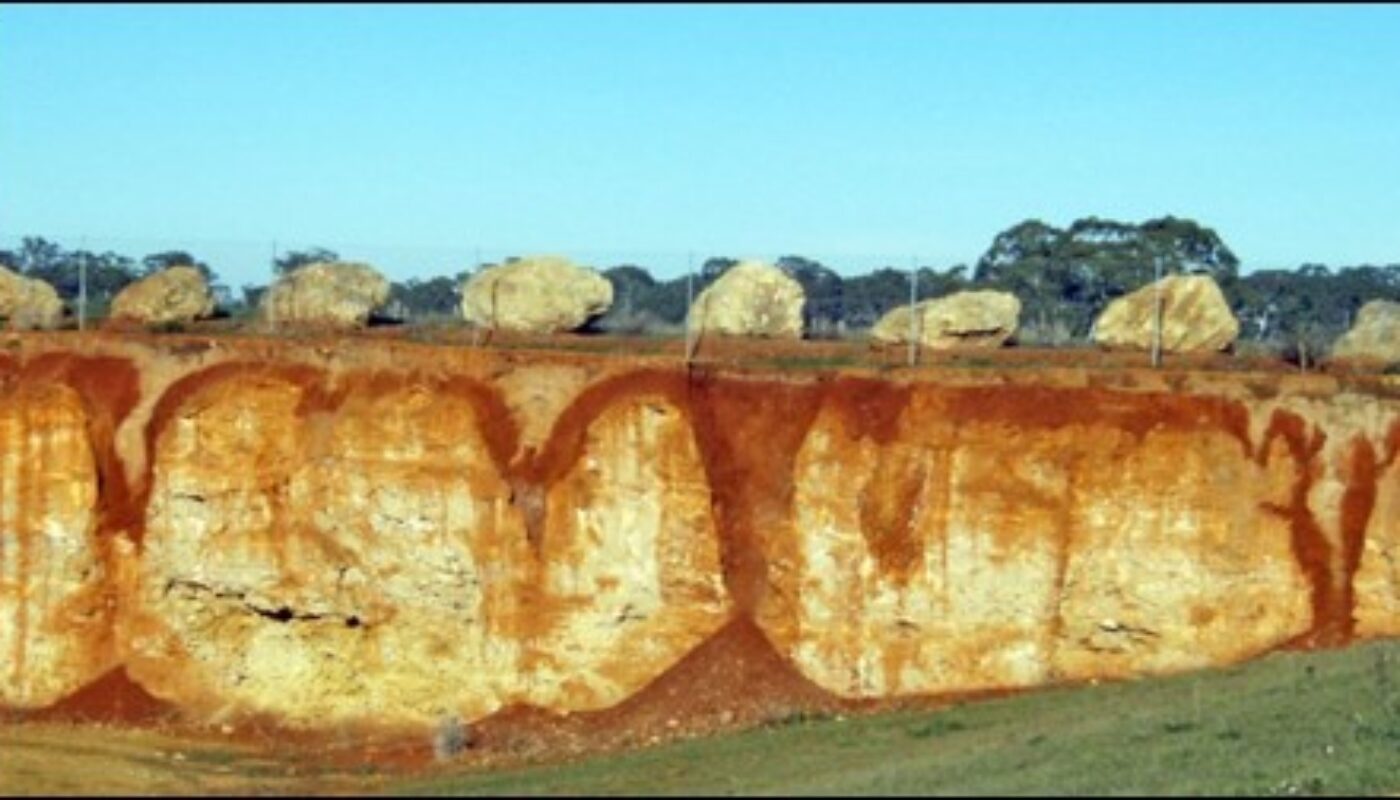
82 284
913 317
689 301
1156 312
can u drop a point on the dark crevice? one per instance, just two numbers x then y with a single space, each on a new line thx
282 613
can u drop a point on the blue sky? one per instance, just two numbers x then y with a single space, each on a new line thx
406 134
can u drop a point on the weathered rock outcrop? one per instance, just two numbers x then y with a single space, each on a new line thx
750 299
953 556
1375 335
373 562
337 567
982 318
403 533
55 626
177 294
28 303
1375 471
327 294
544 294
1195 317
629 574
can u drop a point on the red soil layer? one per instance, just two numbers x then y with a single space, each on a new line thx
109 388
1310 545
112 697
748 432
734 679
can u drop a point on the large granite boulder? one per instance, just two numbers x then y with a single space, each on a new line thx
1195 317
985 318
28 303
1374 336
330 293
541 294
750 299
177 294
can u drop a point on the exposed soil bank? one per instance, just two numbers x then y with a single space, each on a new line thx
329 534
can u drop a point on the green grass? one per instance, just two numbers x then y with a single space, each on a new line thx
1320 723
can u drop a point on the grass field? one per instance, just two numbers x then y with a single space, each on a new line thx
1287 724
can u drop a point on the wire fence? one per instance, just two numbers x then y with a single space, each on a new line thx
241 262
242 268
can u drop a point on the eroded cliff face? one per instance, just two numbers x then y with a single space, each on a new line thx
629 576
1377 579
54 623
388 537
991 540
365 555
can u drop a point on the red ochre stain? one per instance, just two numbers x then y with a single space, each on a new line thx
1310 547
109 389
888 504
870 409
1136 413
748 431
1363 475
1358 501
113 697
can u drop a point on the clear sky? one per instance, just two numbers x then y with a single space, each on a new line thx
604 131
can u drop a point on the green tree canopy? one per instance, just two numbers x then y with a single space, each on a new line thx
293 260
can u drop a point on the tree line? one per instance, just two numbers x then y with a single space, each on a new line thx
1063 276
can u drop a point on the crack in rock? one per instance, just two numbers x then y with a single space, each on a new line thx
282 613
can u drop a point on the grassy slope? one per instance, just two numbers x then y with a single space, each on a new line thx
1289 723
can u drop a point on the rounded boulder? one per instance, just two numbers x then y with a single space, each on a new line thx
28 303
750 299
983 319
541 294
1195 317
1374 336
333 294
177 294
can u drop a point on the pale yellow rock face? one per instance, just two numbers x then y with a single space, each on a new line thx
1195 317
55 619
360 566
371 564
631 576
541 294
1173 563
177 294
28 303
750 299
398 534
983 318
1377 582
965 555
329 294
1374 335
